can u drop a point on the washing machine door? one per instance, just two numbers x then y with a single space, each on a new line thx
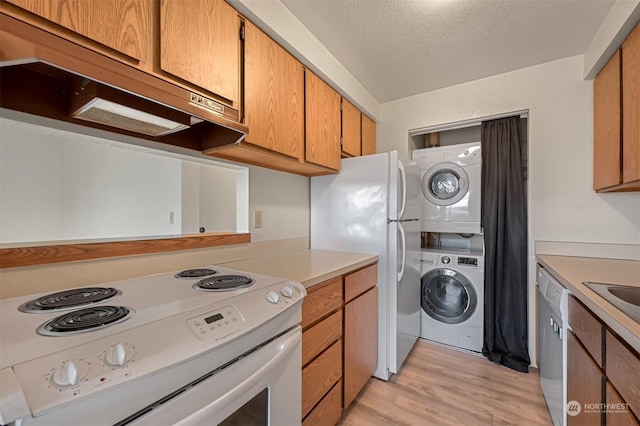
448 296
445 184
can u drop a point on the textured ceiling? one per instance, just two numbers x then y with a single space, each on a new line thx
399 48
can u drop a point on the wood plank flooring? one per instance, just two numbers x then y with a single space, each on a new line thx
442 386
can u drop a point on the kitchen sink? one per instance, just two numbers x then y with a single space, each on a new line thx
628 294
625 298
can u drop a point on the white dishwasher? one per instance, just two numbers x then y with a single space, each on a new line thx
553 323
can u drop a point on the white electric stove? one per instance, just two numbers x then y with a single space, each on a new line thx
141 351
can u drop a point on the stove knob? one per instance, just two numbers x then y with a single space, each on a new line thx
287 291
117 356
273 297
66 375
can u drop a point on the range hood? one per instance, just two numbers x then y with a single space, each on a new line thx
45 75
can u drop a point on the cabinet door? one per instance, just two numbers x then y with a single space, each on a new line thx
122 25
631 107
623 371
606 125
200 43
274 95
584 384
617 412
368 136
322 123
350 129
360 343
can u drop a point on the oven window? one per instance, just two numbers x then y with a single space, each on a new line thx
253 413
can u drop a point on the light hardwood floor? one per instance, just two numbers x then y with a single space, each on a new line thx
442 386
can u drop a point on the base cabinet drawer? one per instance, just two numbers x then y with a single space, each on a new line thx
328 411
321 300
320 376
319 337
587 328
360 281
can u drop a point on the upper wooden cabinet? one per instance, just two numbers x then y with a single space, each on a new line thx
194 45
121 25
368 136
274 100
616 120
274 95
322 122
351 129
358 132
200 43
606 125
631 108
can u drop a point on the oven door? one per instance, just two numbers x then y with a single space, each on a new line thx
262 387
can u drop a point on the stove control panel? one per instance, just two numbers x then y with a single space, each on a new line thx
143 351
218 324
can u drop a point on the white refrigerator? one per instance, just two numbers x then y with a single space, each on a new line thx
373 206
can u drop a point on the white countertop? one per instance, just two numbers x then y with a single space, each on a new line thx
309 267
573 271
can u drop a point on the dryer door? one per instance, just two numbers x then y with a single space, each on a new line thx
445 184
448 296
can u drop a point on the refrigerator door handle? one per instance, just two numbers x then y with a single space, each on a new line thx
403 179
404 252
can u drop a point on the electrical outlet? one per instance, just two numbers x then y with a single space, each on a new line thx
171 217
257 218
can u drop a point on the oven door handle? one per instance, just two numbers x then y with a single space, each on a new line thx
224 400
203 416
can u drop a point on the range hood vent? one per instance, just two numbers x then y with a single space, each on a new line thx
109 113
103 105
43 74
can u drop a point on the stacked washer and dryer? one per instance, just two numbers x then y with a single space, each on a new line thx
452 282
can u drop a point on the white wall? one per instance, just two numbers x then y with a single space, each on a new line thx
284 201
59 185
28 164
562 205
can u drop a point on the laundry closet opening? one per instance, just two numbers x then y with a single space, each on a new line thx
452 237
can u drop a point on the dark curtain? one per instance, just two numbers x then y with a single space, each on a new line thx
504 211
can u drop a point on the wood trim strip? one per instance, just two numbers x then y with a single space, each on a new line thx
623 187
40 255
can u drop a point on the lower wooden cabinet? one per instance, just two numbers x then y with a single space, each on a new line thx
360 343
320 376
617 412
623 371
339 343
328 411
584 384
603 373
